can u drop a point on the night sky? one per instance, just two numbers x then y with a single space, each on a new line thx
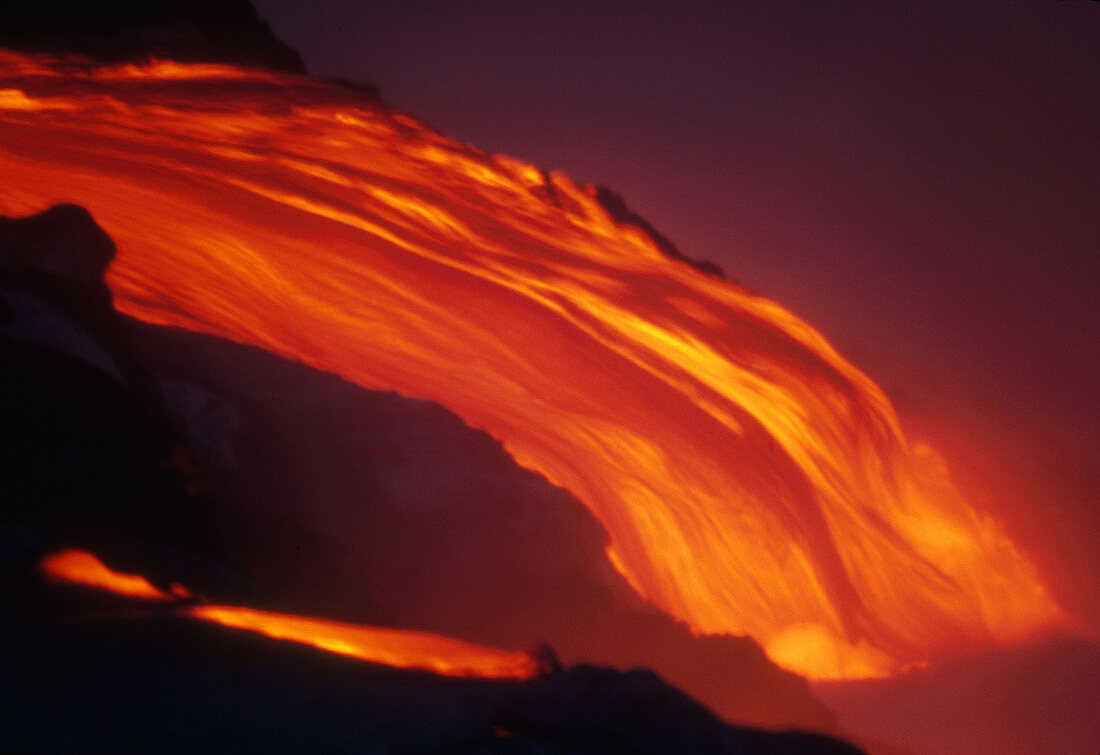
917 180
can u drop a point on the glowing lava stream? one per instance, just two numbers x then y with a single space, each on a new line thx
752 481
391 647
82 568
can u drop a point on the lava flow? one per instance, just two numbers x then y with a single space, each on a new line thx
751 480
82 568
391 647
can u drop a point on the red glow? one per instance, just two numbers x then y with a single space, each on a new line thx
391 647
751 479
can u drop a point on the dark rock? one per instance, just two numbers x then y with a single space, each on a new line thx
153 682
367 88
616 207
63 241
227 31
91 456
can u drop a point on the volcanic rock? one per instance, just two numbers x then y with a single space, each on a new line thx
227 31
617 208
158 683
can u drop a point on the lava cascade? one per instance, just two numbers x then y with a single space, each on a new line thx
751 480
391 647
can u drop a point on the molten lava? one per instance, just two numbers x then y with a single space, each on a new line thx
751 480
391 647
82 568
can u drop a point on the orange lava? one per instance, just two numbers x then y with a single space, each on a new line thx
751 480
82 568
392 647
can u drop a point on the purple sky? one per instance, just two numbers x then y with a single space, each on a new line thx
918 180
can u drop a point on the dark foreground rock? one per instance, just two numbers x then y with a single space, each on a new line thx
616 207
228 31
138 680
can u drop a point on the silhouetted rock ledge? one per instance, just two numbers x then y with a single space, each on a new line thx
63 241
225 31
615 206
159 683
